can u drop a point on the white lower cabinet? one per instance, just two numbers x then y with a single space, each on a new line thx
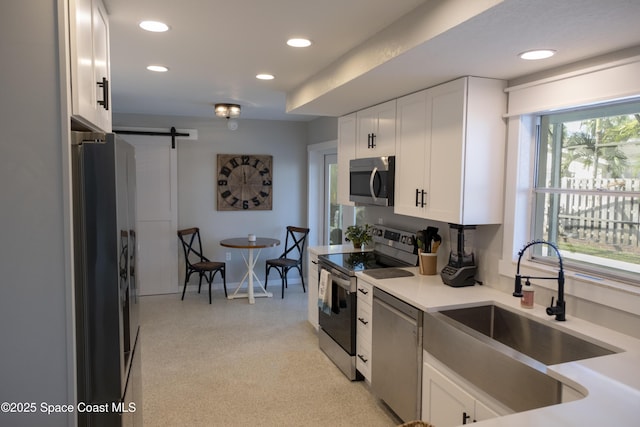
446 404
363 359
312 287
364 329
483 412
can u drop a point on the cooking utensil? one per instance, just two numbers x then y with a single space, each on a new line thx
430 235
437 240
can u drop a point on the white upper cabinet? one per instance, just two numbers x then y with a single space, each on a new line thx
450 152
377 131
346 151
90 68
367 133
413 143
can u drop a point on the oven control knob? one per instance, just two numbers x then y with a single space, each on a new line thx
410 240
403 239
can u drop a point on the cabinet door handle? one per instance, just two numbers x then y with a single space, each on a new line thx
104 84
465 417
422 198
361 357
373 140
417 194
361 319
363 291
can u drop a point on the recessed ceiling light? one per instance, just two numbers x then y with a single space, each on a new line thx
154 26
299 42
265 76
157 68
537 54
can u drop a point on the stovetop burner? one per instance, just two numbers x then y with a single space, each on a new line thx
388 273
359 261
392 248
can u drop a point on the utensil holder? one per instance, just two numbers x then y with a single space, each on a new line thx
428 263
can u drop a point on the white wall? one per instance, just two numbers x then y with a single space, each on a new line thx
322 129
35 288
285 141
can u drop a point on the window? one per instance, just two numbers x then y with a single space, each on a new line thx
587 192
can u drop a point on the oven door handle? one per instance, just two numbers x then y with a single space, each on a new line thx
346 285
339 279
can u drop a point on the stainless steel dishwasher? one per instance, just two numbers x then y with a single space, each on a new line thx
396 370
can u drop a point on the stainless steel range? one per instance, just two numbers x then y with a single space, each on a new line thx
337 335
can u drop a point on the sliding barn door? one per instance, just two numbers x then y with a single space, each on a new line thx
157 206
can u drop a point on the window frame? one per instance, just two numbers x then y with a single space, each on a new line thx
539 204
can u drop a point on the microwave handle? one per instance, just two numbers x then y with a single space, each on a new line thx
371 179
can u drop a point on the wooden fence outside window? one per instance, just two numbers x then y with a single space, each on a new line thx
603 212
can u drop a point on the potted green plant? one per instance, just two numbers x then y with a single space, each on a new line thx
359 235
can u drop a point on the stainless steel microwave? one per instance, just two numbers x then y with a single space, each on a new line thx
371 180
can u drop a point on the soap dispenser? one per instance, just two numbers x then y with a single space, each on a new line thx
526 301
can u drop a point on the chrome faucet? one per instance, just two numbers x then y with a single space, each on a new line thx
559 309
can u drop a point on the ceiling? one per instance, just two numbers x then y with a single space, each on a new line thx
363 52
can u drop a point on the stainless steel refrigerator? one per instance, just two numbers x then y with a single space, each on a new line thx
107 322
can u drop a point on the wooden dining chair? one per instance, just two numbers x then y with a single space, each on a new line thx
196 262
290 258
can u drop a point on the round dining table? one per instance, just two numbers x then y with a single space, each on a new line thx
250 261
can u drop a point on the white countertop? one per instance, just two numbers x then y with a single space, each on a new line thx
334 249
611 383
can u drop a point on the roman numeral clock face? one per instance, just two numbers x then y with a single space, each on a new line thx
244 182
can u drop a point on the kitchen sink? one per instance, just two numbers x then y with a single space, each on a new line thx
504 353
535 339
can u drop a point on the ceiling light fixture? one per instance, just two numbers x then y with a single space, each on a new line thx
533 55
157 68
265 77
299 42
154 26
227 110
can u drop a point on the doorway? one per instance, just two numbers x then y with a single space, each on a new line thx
332 223
326 217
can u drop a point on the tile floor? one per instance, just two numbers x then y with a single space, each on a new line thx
235 364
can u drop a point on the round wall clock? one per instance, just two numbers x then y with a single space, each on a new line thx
244 182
